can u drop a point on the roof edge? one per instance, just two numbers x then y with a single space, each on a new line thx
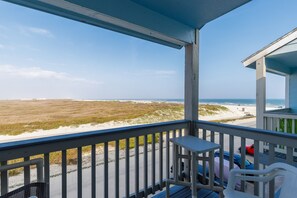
280 42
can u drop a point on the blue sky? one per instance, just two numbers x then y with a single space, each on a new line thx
45 56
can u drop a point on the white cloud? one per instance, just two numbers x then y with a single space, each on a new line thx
36 72
165 72
45 64
36 30
159 73
6 47
40 31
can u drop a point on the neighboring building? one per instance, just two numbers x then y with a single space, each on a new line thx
279 57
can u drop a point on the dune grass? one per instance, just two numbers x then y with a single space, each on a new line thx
25 116
206 109
17 116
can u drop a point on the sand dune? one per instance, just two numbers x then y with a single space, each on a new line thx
234 112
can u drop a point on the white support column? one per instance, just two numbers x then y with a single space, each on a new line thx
191 80
191 89
287 93
260 104
260 92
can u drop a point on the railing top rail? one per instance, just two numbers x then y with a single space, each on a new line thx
279 110
30 147
281 113
250 133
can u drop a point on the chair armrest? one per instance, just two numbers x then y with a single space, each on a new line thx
254 172
251 175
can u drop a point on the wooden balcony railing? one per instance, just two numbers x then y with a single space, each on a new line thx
143 151
133 161
231 137
283 121
280 120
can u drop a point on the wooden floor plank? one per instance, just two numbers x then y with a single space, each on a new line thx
185 192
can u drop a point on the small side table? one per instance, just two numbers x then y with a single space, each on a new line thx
195 146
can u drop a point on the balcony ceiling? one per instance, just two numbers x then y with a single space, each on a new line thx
286 55
169 22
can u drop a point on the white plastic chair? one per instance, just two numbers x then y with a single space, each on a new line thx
288 187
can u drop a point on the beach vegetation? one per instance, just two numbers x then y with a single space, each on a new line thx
207 109
18 116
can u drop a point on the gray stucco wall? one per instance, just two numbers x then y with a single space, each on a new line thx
293 91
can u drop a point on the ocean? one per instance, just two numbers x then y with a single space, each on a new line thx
251 102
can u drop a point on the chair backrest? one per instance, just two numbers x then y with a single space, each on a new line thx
4 168
289 186
38 162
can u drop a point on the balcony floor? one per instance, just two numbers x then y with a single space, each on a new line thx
185 192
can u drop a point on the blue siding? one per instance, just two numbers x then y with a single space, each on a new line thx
293 91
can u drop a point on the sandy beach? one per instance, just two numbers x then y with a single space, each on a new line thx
234 112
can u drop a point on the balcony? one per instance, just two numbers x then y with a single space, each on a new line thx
135 161
132 161
282 120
